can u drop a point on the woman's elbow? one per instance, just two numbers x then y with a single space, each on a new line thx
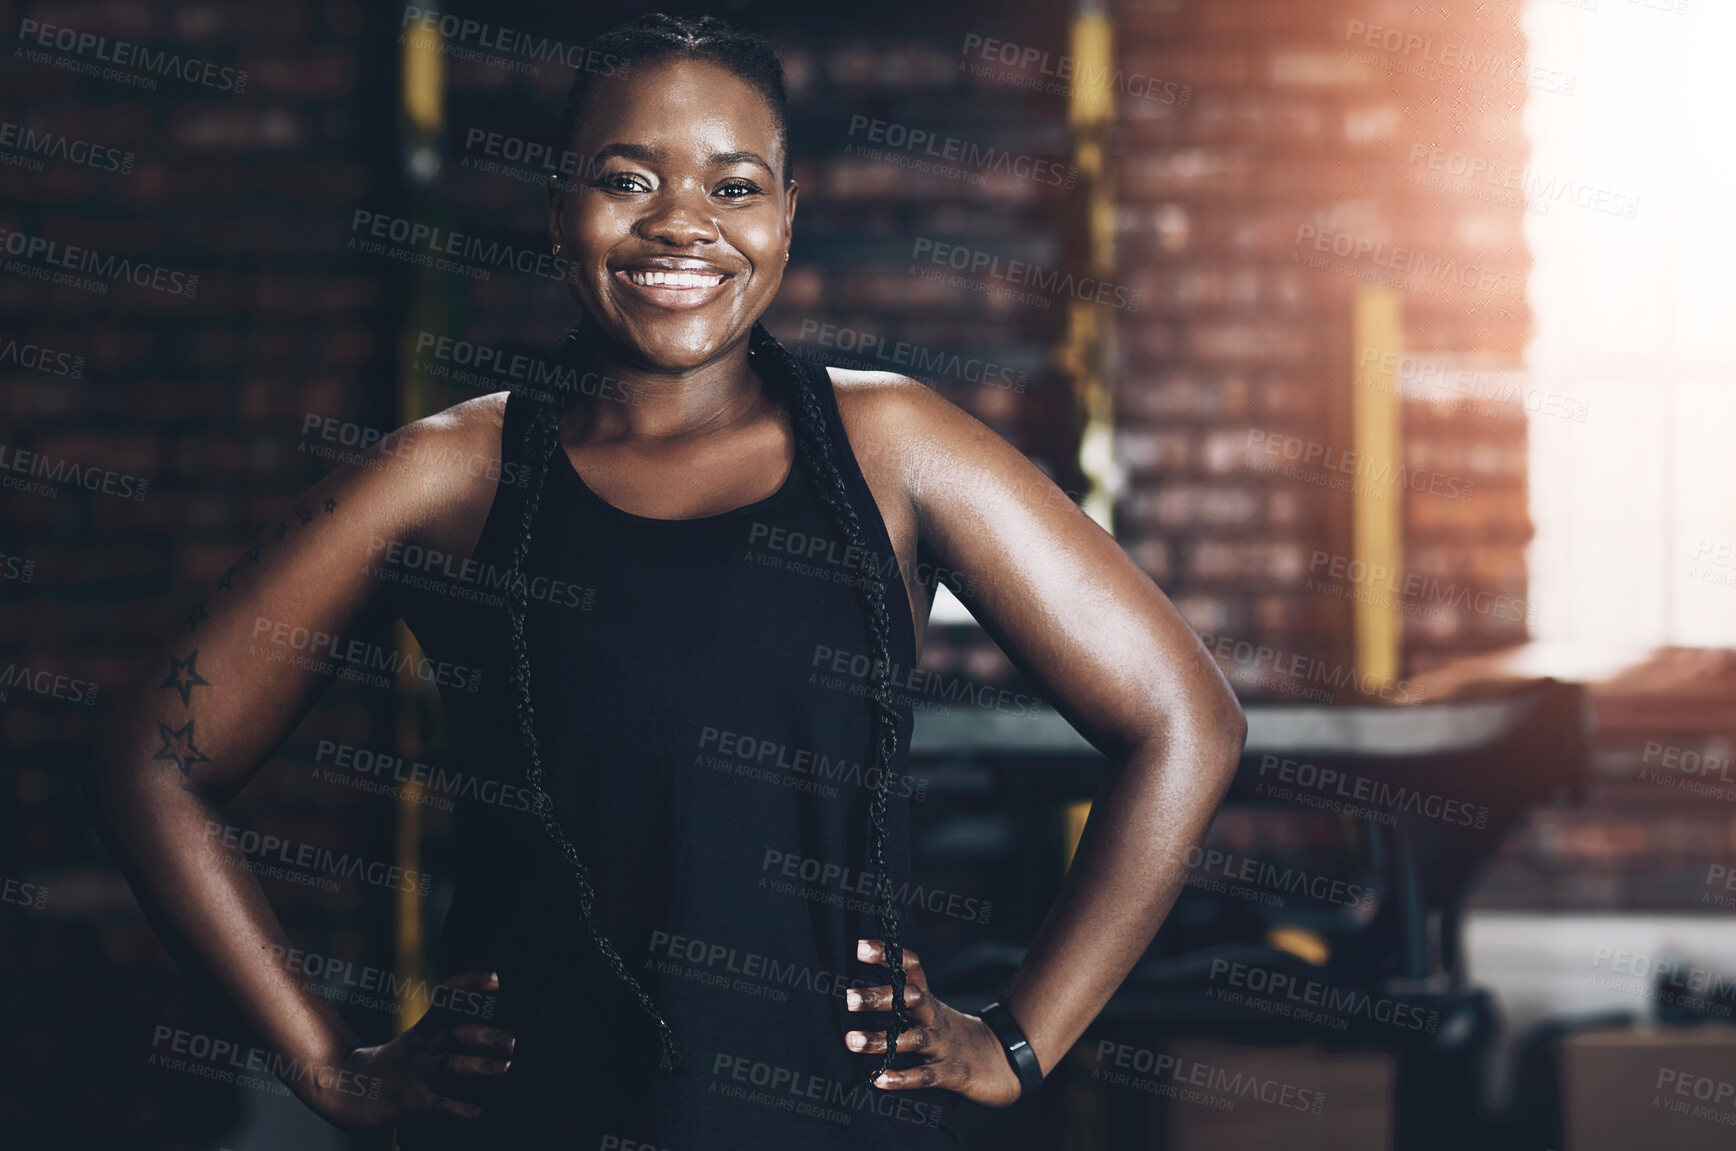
1222 731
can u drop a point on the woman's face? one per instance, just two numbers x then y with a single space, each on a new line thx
676 221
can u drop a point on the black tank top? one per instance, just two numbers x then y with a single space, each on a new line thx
699 694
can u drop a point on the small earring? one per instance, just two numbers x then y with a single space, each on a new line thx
786 256
557 250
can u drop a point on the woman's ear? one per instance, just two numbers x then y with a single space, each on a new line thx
790 191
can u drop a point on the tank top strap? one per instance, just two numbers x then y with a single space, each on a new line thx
867 511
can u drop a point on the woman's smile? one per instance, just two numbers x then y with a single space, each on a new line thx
663 282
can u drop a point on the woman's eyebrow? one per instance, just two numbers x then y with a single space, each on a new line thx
718 158
637 152
644 155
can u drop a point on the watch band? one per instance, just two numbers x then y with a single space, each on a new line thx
1018 1049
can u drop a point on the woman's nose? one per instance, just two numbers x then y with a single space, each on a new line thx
679 219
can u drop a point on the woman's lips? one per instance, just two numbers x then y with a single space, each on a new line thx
664 288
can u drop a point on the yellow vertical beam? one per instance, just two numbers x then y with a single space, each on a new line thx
1377 518
422 116
1088 351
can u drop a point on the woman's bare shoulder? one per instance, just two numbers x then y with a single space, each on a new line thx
441 473
910 431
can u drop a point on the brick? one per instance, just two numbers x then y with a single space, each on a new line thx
1215 614
1252 341
1196 171
1178 506
1248 561
1202 394
1149 450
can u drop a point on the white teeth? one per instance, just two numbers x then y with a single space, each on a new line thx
675 279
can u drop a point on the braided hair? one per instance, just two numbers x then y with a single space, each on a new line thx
657 36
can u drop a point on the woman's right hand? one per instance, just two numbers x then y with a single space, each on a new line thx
424 1072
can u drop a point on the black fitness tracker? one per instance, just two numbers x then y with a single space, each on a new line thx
1018 1048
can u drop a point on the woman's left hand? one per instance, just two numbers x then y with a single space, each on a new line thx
963 1053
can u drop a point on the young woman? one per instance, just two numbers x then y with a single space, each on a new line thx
693 936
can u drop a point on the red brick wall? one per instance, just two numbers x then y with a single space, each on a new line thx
1254 138
193 397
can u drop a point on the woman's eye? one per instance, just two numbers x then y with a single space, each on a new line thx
624 182
737 189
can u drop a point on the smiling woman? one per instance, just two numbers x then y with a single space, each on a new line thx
681 943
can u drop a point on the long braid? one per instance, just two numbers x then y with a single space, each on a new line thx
540 442
815 449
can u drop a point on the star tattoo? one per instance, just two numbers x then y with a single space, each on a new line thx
228 579
178 746
304 514
281 528
198 613
253 553
184 677
331 506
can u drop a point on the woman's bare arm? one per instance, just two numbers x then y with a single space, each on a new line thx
1104 644
222 692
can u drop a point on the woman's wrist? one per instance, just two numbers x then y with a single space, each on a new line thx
1020 1056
